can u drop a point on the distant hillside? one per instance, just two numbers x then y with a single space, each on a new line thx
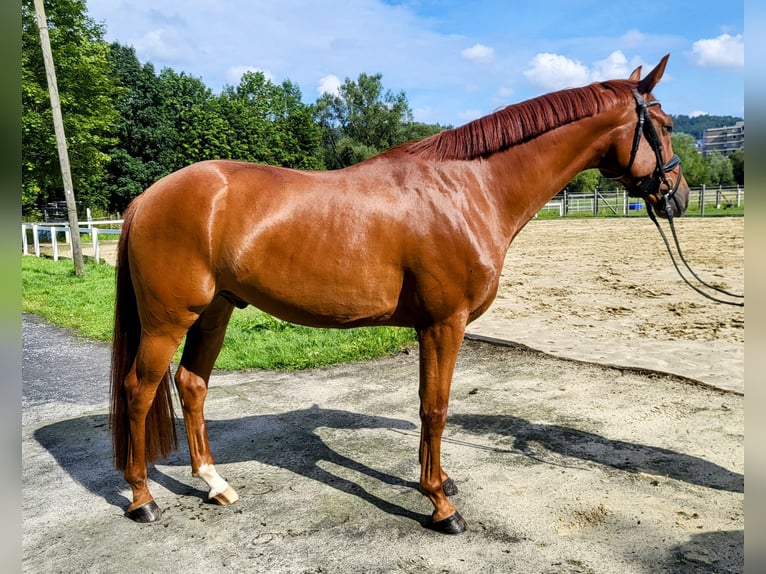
698 124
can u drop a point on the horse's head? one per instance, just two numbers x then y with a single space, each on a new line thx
642 152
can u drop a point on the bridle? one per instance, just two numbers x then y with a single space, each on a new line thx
652 184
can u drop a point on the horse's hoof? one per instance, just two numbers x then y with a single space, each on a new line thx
227 497
149 512
449 487
454 524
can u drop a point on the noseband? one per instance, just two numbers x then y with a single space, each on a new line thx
651 184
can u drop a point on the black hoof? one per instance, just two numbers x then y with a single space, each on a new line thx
451 525
449 487
149 512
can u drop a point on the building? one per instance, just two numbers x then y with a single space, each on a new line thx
724 140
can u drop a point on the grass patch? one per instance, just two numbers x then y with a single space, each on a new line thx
254 339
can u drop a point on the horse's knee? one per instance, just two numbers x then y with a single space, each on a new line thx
434 418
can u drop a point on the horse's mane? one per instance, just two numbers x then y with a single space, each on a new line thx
521 122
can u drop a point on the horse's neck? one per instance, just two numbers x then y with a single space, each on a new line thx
525 177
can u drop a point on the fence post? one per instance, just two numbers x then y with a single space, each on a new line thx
738 196
54 243
94 232
36 238
595 202
565 205
702 200
68 240
24 244
718 197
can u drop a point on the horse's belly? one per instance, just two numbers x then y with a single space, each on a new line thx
323 296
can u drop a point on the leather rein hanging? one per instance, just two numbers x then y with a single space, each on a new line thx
653 183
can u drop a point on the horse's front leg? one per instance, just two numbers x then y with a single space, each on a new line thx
439 346
203 344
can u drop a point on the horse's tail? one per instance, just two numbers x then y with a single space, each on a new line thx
160 426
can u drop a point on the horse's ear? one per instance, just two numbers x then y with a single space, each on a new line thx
635 75
652 79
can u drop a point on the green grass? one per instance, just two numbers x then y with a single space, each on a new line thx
254 339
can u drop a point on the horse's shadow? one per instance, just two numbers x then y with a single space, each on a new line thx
289 440
622 455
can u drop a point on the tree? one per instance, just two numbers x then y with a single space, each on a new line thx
86 89
270 124
199 129
693 165
737 160
361 120
145 133
585 182
719 170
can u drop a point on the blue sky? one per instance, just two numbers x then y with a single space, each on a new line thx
455 60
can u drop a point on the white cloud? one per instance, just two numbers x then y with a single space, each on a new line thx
234 74
725 51
697 114
614 66
329 84
554 72
163 44
479 53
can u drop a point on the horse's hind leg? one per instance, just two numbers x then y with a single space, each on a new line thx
141 386
203 343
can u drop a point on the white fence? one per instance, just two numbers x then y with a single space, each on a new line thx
617 202
96 229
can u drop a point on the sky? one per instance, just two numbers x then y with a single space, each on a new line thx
456 60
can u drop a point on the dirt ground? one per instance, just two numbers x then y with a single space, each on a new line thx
605 290
563 466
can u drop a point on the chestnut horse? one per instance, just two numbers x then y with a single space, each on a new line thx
415 236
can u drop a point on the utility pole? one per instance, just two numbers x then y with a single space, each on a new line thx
58 126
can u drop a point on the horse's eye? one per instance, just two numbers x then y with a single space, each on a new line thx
668 129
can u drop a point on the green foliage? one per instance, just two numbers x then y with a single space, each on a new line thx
737 160
87 91
51 290
362 120
145 133
693 164
585 182
254 339
270 124
257 340
719 170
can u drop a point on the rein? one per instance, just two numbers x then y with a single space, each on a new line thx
669 214
658 179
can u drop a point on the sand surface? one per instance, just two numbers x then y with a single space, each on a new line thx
605 290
